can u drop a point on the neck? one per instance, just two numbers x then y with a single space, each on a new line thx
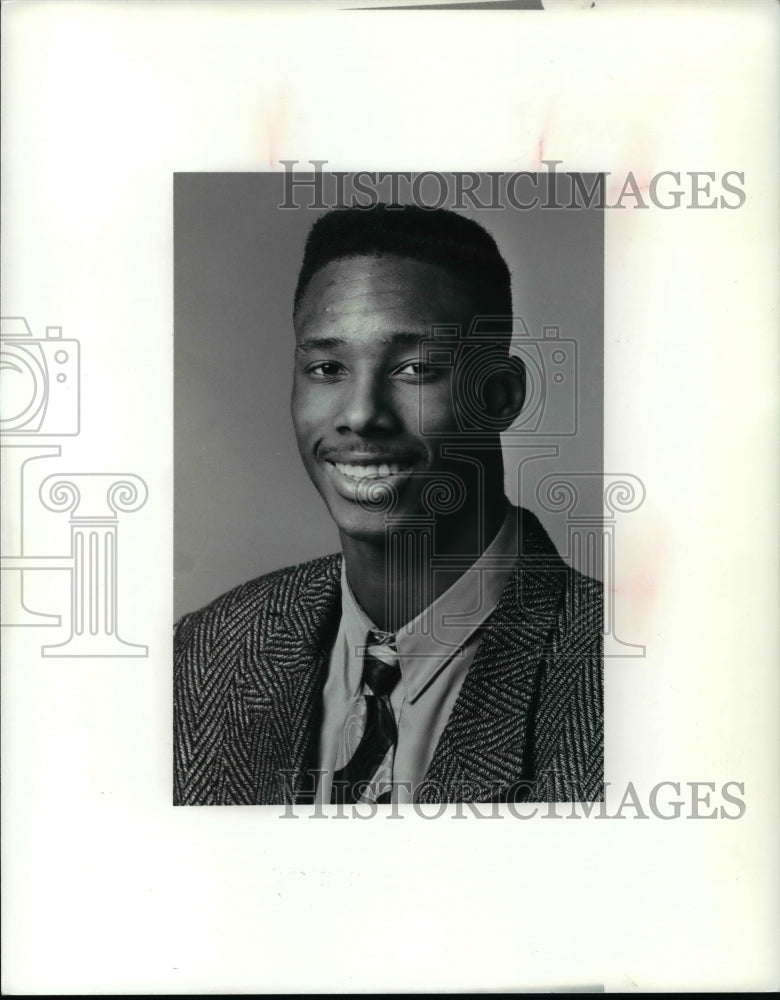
393 578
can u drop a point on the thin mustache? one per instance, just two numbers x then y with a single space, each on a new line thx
368 457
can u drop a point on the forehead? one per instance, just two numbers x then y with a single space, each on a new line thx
375 294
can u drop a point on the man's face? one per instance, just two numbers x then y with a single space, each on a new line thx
361 384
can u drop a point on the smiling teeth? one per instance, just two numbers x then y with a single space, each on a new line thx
369 471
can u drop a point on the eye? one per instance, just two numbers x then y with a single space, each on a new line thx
324 371
417 371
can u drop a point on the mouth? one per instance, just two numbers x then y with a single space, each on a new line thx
371 470
353 478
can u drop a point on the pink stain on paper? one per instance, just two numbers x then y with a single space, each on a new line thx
636 590
278 126
543 140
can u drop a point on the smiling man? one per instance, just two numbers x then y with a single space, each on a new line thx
447 653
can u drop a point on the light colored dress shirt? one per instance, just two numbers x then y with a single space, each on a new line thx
435 652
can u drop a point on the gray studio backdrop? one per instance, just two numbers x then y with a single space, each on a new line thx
243 504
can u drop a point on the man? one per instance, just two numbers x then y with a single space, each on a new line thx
447 653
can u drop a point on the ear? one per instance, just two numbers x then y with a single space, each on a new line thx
505 391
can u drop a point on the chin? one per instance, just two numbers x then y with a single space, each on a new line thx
367 528
364 525
376 528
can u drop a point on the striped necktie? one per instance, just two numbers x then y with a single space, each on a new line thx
370 732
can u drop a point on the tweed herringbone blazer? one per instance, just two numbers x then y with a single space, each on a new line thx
249 670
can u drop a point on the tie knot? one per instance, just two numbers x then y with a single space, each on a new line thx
380 667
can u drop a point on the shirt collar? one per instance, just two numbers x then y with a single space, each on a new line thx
431 640
356 625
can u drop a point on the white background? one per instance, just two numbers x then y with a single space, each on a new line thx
107 888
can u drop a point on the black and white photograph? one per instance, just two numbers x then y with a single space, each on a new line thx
449 650
388 443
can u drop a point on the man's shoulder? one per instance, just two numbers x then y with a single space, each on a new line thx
581 612
583 595
271 595
586 591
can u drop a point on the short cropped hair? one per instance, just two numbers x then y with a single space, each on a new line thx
436 236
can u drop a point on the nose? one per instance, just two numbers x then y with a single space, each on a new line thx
367 407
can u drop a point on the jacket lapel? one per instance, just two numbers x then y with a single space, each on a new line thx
487 745
282 688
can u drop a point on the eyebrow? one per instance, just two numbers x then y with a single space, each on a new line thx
309 344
